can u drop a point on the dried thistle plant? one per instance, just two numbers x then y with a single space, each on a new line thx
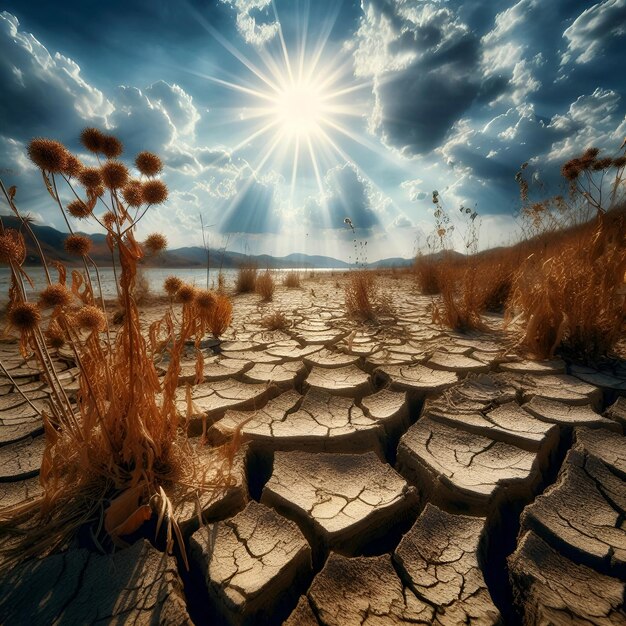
122 442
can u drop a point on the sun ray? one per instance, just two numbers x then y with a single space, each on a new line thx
300 105
254 135
318 177
302 36
234 86
228 46
283 45
323 39
294 173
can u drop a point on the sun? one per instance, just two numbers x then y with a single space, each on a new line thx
299 109
296 103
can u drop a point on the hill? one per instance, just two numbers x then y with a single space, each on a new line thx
51 241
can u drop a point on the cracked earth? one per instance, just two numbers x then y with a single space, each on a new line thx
389 473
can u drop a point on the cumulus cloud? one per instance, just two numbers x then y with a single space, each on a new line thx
591 30
252 20
594 119
488 157
402 221
43 91
13 159
144 125
177 104
415 189
153 118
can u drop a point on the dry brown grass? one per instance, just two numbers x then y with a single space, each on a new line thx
265 286
571 294
292 279
363 298
461 299
276 321
565 282
221 316
564 285
246 279
360 294
496 283
221 281
427 275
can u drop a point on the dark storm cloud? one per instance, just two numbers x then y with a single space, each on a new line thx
419 108
561 104
429 72
489 86
435 63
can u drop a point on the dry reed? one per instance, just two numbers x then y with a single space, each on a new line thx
363 298
292 279
427 275
246 279
265 286
569 291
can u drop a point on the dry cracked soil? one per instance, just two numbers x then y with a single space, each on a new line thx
390 473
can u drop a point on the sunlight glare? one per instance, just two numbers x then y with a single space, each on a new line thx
299 109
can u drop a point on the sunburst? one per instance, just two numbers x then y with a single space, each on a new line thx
297 101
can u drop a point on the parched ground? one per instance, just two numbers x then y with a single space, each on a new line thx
391 472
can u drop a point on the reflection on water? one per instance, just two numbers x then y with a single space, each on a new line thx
154 275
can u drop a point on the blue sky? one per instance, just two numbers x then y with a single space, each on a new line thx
276 120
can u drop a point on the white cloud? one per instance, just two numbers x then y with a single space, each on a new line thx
593 28
253 31
415 189
43 91
592 119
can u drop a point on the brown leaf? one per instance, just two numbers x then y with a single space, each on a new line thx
123 507
132 522
46 180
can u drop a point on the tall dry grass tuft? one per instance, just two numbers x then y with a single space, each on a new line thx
246 278
111 458
364 301
292 279
427 274
222 315
495 278
462 295
361 295
265 286
571 296
569 291
461 298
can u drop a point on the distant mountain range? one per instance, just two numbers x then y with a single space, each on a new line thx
51 241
